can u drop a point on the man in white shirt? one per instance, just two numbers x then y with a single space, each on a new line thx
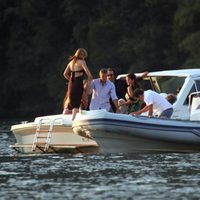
102 90
155 103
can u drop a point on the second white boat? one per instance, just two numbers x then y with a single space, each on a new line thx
51 134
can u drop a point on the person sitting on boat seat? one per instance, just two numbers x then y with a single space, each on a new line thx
171 98
155 103
123 108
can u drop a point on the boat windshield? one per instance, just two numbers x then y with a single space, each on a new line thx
195 89
162 84
168 84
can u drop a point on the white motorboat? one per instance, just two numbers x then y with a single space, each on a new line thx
51 134
59 135
121 133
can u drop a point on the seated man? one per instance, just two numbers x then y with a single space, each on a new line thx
155 103
102 90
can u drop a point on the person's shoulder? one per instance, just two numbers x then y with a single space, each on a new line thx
110 83
80 62
96 80
149 92
69 64
120 80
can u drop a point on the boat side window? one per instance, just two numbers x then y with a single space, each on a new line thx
195 88
169 84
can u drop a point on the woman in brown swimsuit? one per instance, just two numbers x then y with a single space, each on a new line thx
74 74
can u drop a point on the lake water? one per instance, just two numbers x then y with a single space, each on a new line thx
96 176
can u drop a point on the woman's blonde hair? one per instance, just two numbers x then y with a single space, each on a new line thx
81 53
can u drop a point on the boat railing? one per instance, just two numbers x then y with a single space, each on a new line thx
194 106
194 100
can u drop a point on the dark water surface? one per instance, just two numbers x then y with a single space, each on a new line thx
100 176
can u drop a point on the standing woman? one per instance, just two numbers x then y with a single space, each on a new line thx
132 102
74 73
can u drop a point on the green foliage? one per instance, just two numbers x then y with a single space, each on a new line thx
37 37
187 31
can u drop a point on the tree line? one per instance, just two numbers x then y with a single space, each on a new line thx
38 36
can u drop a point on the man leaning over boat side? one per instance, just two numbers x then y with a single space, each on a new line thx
155 103
102 90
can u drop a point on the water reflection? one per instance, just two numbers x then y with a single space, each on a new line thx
101 176
109 176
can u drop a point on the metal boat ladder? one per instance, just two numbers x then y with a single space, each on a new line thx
43 135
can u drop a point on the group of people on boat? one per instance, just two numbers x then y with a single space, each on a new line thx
108 92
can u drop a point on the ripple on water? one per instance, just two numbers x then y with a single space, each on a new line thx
109 176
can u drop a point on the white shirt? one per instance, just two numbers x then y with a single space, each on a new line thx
159 102
101 94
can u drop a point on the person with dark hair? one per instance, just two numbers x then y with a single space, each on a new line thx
171 98
155 104
120 84
102 90
74 74
132 102
178 89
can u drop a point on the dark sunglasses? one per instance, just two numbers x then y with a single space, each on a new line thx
110 75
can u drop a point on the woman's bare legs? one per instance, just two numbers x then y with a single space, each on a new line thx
74 112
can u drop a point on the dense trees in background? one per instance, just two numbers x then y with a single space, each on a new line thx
38 36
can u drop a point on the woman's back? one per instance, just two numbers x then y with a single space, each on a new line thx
77 67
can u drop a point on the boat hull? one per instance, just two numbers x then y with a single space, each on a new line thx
117 133
63 139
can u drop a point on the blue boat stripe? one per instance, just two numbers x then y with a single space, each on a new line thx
132 124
